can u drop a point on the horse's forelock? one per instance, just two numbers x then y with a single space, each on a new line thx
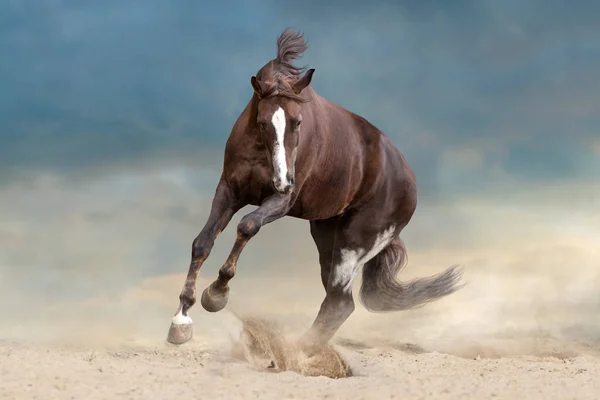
280 84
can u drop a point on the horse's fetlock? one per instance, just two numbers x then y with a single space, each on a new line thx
188 297
226 273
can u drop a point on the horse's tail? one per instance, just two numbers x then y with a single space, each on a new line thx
381 291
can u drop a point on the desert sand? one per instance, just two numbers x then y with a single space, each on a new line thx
203 372
479 343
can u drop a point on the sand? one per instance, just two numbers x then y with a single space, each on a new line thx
479 344
161 371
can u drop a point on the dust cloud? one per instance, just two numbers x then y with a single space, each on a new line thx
523 319
500 312
532 298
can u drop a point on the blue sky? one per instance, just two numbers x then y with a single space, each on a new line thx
114 115
90 84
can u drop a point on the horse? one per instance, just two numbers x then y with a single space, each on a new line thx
294 153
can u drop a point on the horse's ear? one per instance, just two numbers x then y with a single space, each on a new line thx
258 89
303 82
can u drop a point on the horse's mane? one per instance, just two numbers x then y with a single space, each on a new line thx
280 73
290 46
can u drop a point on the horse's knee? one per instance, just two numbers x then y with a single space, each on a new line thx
201 247
248 227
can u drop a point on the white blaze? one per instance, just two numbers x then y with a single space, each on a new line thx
279 163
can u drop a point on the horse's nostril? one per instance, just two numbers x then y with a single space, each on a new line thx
290 178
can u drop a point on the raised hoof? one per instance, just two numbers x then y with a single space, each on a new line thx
213 299
181 330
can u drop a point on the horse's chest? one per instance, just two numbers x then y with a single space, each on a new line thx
256 186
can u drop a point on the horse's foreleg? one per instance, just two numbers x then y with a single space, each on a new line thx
214 298
224 206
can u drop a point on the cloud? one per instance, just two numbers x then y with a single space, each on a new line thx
71 240
596 146
93 85
108 259
127 84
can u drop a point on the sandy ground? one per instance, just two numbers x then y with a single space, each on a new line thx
479 344
195 372
201 371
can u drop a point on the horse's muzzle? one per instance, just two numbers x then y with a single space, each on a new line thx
283 187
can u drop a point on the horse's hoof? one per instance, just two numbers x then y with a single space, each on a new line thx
181 330
309 345
214 299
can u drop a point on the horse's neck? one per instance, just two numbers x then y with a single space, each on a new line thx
323 131
322 112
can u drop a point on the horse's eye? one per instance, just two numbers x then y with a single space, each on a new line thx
298 124
262 125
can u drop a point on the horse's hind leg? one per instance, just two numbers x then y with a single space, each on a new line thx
357 241
323 233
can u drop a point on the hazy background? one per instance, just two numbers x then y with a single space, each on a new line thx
114 116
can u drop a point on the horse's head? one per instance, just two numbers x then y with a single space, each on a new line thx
278 122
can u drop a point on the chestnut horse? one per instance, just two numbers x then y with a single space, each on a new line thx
293 153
